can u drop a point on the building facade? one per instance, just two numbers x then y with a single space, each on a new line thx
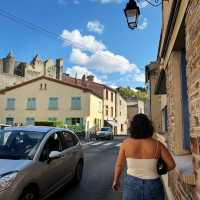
134 106
48 99
108 94
178 85
121 115
13 72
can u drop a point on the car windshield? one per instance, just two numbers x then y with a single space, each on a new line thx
105 129
16 145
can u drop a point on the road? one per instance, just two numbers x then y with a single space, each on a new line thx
96 183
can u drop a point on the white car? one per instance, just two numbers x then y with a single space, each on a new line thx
105 133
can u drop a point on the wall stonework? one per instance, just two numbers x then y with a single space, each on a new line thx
192 24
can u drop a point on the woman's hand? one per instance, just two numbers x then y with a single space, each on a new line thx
116 185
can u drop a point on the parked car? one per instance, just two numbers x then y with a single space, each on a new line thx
3 126
105 133
37 161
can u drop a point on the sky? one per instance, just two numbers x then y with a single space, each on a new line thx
91 36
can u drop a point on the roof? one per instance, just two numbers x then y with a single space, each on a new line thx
85 89
97 88
43 129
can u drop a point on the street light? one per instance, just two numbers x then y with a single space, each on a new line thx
132 12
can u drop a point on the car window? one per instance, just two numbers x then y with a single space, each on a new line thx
69 140
53 144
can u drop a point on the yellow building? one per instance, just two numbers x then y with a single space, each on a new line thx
45 98
121 115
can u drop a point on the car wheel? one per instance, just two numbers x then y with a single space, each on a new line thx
30 194
78 173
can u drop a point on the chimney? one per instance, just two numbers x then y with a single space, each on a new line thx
90 78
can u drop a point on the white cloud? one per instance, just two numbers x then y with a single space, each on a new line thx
103 61
144 24
78 57
86 43
80 71
95 26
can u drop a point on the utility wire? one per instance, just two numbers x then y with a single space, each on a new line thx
29 25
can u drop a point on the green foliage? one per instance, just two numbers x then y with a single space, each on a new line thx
127 92
77 129
59 124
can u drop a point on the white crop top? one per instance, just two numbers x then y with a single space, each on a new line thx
142 168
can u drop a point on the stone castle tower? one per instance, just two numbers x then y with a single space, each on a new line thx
13 71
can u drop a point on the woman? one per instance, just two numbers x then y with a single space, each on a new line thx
141 153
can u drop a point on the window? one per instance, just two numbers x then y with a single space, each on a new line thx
112 113
76 103
164 120
10 104
53 103
30 121
31 104
68 140
74 121
52 144
107 94
122 127
120 102
111 96
99 107
106 110
52 119
10 121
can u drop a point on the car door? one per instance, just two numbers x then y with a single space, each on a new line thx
51 169
70 154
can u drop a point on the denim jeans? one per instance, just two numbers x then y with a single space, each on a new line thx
142 189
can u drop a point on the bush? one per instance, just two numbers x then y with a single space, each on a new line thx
77 129
59 124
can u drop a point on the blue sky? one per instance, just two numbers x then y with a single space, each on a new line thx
96 39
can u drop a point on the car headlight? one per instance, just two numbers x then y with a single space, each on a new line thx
7 180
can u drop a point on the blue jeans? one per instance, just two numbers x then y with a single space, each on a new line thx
142 189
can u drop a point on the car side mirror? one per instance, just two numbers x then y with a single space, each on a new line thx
54 155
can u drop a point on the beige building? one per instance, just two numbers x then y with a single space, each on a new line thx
108 95
121 115
179 86
46 98
13 72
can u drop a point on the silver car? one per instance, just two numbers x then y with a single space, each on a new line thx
37 161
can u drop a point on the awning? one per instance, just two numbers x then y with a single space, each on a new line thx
111 122
161 83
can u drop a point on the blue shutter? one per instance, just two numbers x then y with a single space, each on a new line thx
185 105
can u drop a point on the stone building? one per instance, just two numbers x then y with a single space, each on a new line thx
134 106
13 72
153 101
178 85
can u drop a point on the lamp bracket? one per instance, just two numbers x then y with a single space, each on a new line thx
153 3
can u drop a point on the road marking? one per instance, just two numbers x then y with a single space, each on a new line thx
118 145
87 143
107 144
98 143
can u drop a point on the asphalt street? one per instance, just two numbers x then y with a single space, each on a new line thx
97 177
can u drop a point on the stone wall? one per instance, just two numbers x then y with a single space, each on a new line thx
192 25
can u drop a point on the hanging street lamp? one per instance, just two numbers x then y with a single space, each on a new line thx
132 11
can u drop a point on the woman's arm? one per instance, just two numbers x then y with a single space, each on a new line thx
167 157
118 168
